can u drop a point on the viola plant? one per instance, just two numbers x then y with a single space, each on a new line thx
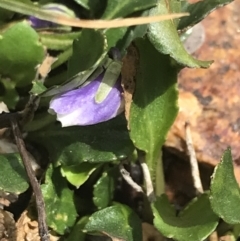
115 110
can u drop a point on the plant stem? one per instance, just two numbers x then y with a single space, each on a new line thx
159 181
193 160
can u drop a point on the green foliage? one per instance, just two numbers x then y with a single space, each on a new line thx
20 53
58 41
154 105
82 183
5 15
78 174
225 192
37 87
13 177
199 11
194 223
122 8
59 204
164 37
73 145
77 232
10 96
84 57
117 221
106 185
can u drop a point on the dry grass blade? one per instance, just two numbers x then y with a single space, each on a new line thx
31 9
115 23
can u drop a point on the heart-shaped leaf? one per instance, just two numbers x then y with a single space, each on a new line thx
194 223
105 142
59 202
13 177
117 221
20 53
225 192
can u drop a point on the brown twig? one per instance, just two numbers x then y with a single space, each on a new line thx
22 117
28 113
43 229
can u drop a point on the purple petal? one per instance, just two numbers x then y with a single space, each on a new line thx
78 107
39 23
52 7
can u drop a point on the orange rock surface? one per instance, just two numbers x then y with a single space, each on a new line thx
210 98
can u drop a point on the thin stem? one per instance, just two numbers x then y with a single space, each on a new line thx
43 229
147 177
193 160
213 236
29 110
159 181
126 176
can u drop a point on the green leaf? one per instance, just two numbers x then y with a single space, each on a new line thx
165 39
154 105
199 11
9 94
13 177
5 15
59 203
62 58
110 77
105 142
122 8
87 50
78 174
194 223
38 87
40 121
95 8
84 3
225 192
79 79
20 53
117 221
106 185
58 41
77 233
122 37
26 7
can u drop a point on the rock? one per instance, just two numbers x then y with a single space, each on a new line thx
209 99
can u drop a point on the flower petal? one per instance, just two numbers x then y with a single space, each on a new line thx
78 107
52 7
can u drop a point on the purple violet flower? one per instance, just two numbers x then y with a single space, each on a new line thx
79 106
51 7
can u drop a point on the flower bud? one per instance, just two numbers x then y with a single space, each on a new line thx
53 8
